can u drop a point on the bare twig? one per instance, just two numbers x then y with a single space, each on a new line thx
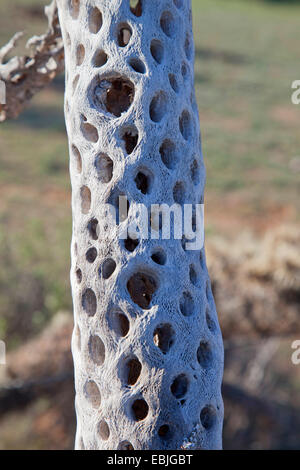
26 75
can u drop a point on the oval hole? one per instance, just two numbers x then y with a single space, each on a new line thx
173 82
93 228
80 53
136 7
131 244
131 370
187 305
179 192
137 65
89 132
179 386
114 95
159 257
91 255
96 350
125 445
124 34
158 106
141 288
95 20
107 269
167 23
140 409
119 322
103 430
92 394
130 137
104 166
157 50
85 196
74 6
185 125
89 302
204 354
77 157
208 417
168 154
100 58
164 337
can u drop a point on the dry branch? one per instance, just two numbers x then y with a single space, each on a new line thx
24 76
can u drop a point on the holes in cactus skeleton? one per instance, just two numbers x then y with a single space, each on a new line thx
168 154
131 370
188 47
124 34
159 257
185 125
210 322
184 71
92 393
107 269
104 166
74 6
164 337
140 409
95 20
136 7
164 432
130 137
137 65
173 82
143 181
179 386
208 417
178 3
131 244
92 228
187 305
194 277
89 132
119 322
141 288
195 172
103 430
204 354
80 54
125 445
157 50
75 83
115 95
78 275
100 58
179 192
89 302
77 157
91 254
167 23
158 106
85 196
96 350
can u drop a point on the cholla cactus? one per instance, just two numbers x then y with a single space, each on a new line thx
147 346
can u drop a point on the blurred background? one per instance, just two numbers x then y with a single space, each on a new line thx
247 56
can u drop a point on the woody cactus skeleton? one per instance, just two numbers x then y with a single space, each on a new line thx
147 347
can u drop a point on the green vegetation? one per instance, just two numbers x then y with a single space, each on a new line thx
247 55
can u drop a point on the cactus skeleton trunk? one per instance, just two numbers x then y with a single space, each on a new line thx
147 346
